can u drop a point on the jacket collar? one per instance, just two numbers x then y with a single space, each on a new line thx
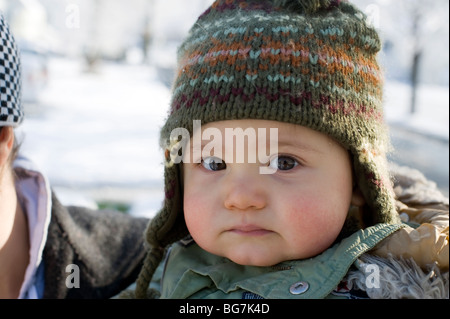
195 272
33 191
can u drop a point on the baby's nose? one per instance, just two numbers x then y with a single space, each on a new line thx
245 190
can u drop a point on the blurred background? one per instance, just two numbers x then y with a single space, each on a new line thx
96 89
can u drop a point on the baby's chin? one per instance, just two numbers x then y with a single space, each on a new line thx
254 259
267 258
256 255
255 263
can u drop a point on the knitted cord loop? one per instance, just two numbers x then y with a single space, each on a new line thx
151 262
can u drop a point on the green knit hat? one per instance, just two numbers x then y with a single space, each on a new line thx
311 63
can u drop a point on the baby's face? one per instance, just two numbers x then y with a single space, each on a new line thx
233 210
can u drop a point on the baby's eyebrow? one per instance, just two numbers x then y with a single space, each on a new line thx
283 143
298 145
198 147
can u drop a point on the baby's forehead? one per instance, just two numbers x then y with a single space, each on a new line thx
285 134
294 132
304 138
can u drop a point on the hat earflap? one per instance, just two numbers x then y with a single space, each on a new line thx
165 228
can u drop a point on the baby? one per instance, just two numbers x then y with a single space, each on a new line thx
244 219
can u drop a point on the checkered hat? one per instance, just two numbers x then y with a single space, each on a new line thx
11 113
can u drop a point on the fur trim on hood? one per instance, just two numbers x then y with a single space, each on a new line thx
414 261
398 278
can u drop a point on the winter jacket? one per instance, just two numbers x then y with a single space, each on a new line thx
75 252
408 260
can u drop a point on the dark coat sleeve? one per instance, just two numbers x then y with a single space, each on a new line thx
107 247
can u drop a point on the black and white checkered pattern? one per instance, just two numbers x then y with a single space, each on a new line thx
11 113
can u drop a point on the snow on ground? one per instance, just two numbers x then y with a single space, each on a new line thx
432 115
95 135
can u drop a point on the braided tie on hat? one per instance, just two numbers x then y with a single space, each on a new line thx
157 237
151 262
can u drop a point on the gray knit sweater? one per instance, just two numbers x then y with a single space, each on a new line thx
107 247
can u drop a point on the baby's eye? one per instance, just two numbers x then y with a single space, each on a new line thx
283 163
213 164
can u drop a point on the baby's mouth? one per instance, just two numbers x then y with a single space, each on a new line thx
249 230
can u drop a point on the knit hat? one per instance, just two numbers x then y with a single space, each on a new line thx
11 113
306 62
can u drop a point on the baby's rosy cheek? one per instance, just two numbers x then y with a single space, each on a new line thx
307 215
192 211
193 201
